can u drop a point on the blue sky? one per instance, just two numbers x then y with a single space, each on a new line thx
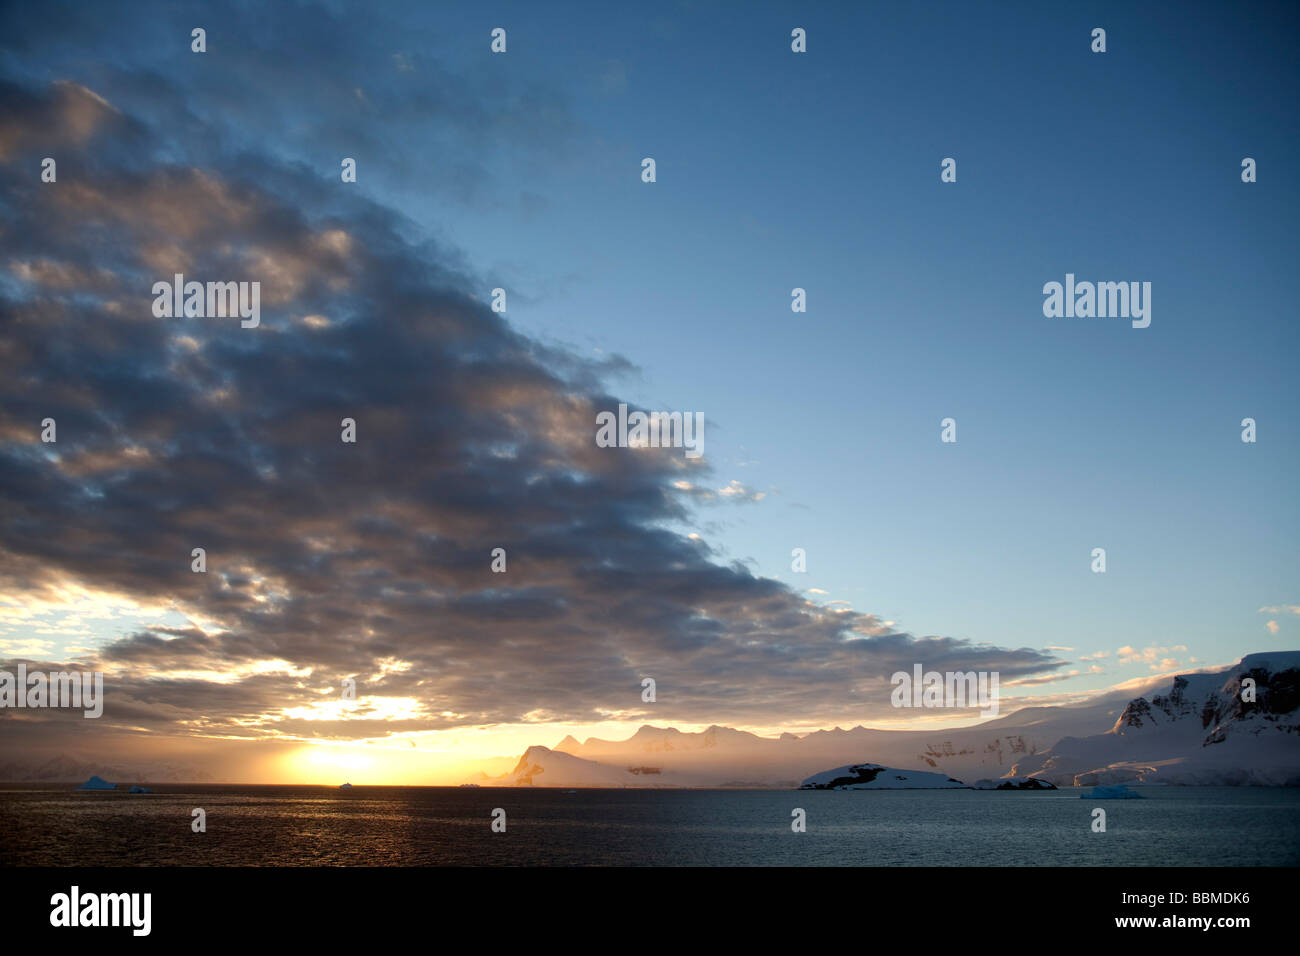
821 171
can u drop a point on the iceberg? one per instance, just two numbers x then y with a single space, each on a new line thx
97 783
1116 792
136 789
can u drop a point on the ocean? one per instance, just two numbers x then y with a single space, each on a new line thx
53 825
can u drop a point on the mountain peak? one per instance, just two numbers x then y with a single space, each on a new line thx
650 730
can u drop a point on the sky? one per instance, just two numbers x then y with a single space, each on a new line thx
521 170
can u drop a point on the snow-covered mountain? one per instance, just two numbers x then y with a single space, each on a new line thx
722 756
1200 730
543 767
65 768
1194 728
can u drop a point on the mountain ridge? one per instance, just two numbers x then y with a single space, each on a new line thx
1115 737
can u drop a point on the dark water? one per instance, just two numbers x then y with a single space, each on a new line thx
423 826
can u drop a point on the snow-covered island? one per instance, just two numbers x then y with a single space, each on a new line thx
871 776
1013 783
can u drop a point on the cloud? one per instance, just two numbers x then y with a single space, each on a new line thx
1156 657
334 91
369 560
1046 679
733 491
67 116
1272 627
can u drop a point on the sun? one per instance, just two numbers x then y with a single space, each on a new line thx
317 759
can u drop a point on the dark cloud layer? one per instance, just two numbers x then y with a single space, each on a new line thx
369 560
309 82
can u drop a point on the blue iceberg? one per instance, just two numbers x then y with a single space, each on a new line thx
1116 792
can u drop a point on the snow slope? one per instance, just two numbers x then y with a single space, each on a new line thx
543 767
1199 731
